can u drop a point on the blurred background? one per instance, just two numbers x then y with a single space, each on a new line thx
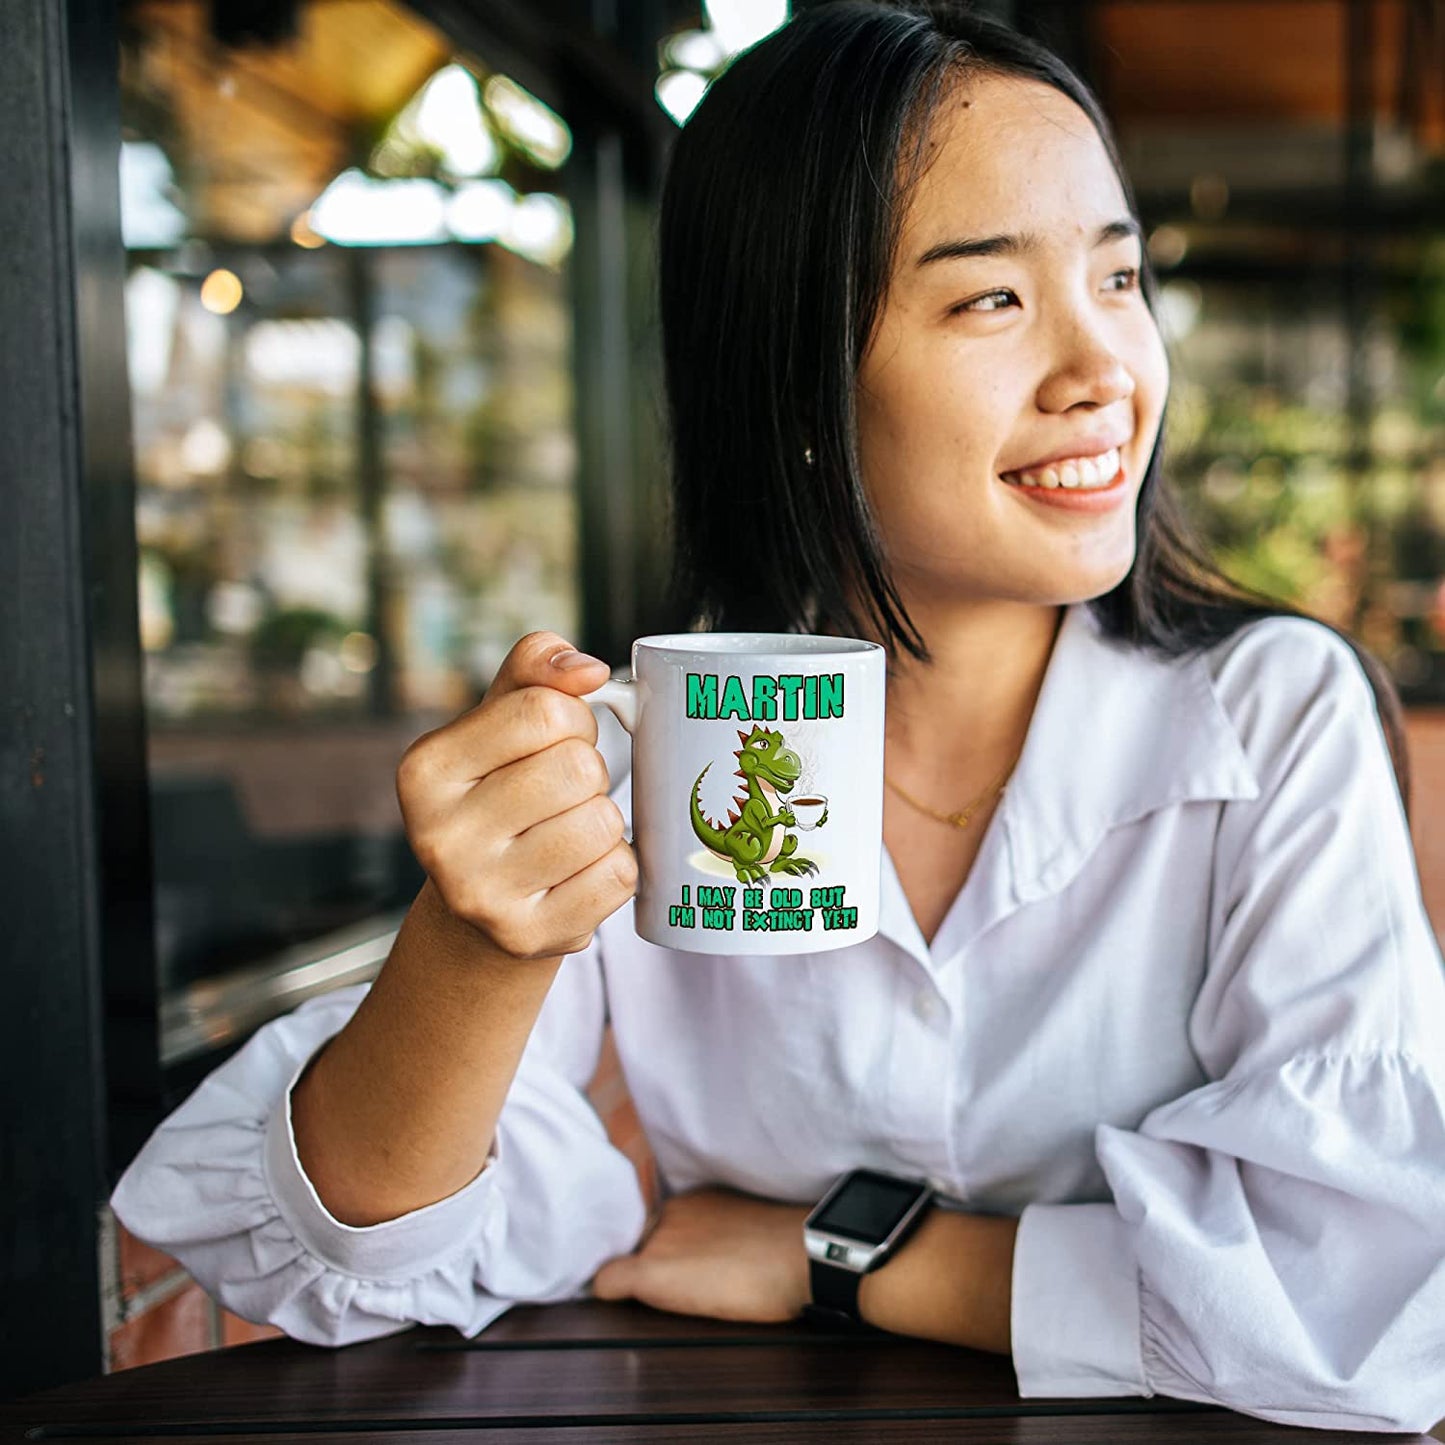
372 370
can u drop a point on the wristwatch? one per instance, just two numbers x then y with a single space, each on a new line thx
862 1219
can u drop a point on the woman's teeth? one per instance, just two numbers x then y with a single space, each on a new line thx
1081 473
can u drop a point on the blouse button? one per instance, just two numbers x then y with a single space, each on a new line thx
926 1005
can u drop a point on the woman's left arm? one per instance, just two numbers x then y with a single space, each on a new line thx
1276 1237
951 1281
1275 1241
724 1255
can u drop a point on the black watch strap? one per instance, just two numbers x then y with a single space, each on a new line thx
835 1290
835 1300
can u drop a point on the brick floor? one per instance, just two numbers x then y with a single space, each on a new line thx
183 1324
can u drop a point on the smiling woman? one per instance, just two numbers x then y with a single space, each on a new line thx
955 397
934 280
1159 1019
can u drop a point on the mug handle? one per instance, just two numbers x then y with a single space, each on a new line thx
619 696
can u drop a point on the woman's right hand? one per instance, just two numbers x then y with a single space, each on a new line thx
506 807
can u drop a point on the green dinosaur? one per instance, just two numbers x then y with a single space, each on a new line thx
754 837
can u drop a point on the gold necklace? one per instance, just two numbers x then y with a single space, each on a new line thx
961 818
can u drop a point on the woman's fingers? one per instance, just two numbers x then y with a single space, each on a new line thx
508 803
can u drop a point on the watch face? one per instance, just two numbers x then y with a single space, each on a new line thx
867 1208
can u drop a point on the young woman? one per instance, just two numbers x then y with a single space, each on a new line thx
1159 1021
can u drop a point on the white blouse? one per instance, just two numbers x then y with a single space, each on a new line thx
1185 1019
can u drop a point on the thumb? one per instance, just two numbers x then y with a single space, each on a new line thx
549 659
614 1279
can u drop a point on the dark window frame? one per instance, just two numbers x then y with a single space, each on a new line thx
81 1030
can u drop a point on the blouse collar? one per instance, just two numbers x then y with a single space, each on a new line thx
1116 733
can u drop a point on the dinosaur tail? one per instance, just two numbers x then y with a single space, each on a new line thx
710 835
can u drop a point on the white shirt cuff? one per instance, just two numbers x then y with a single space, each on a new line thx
1075 1303
396 1249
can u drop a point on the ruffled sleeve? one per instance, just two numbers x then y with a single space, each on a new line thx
219 1187
1276 1239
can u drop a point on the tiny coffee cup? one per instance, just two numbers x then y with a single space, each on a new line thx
741 743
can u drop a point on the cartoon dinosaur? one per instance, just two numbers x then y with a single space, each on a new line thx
755 837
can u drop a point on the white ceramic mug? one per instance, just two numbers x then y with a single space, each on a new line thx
757 788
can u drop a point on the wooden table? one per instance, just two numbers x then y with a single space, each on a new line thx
597 1373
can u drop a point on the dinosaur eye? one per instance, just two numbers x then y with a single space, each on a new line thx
761 744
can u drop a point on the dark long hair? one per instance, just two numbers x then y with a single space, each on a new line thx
780 219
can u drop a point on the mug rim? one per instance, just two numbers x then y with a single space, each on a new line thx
727 644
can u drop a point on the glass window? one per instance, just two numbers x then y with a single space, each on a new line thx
350 361
1295 225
